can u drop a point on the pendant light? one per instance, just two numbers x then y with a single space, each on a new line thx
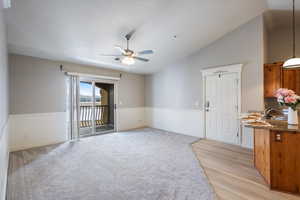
293 62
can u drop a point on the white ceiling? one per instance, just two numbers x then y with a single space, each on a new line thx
79 31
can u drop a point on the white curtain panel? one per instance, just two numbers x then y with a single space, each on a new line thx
73 108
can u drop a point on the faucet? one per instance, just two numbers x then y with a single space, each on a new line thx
267 112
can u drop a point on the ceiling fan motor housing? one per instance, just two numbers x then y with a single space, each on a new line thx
128 52
127 55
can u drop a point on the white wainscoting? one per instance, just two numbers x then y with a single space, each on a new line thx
33 130
247 137
131 118
183 121
4 157
39 129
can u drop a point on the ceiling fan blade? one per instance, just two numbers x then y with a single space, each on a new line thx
110 55
120 49
145 52
141 59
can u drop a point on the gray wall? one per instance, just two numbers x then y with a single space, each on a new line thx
280 44
4 101
132 90
3 75
266 42
180 85
38 85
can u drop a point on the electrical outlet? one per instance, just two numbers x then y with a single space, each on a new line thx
278 137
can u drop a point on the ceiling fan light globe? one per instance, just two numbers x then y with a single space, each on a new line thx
127 60
292 63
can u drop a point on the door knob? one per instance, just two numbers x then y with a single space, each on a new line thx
207 106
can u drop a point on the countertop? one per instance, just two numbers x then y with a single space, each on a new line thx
277 125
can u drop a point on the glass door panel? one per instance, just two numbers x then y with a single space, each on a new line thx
104 107
86 108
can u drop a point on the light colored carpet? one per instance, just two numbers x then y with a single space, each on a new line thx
144 164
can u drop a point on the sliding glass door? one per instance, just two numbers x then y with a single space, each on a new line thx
86 108
96 108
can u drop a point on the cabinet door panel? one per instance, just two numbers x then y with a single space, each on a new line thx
291 79
285 161
262 152
272 78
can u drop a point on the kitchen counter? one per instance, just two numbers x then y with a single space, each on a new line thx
276 156
277 125
276 151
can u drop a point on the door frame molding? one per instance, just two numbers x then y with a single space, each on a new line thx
225 69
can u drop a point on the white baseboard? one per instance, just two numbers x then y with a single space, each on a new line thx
4 158
33 130
130 118
183 121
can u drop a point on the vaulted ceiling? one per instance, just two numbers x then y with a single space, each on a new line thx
80 31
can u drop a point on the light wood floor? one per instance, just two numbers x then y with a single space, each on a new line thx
230 171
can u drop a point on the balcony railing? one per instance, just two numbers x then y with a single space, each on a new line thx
86 115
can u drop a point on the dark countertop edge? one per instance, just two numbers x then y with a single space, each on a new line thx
272 128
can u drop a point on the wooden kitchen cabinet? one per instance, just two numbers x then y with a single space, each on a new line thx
285 161
277 158
291 79
276 77
262 153
272 78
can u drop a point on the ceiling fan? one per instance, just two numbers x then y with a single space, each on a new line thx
127 55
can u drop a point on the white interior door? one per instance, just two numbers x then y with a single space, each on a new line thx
211 107
221 107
